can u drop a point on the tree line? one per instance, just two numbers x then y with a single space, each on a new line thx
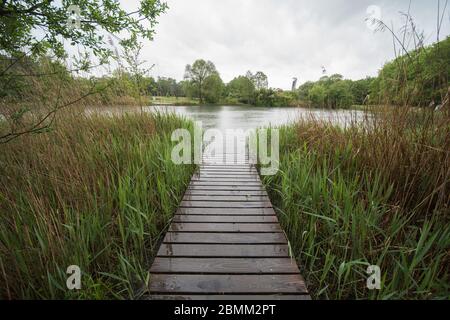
420 78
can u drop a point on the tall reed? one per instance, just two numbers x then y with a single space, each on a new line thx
372 193
97 191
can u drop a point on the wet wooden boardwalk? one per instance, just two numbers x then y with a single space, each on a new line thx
225 241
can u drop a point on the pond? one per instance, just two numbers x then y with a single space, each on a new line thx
246 117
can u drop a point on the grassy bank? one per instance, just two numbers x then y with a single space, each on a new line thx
372 195
174 101
186 101
96 192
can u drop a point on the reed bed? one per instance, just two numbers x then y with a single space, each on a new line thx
96 191
370 193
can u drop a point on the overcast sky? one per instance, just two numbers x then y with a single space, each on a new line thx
283 38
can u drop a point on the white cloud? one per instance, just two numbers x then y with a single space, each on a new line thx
283 38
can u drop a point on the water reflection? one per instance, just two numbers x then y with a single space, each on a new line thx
240 117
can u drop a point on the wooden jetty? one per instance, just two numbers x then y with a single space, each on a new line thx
225 241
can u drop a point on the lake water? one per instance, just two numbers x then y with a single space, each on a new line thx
243 117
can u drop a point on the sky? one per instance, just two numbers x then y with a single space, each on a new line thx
282 38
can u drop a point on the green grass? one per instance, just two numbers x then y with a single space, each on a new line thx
97 192
174 101
350 198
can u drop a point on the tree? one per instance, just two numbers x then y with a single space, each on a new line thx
187 89
20 19
22 23
361 89
168 87
150 86
243 89
420 78
317 95
197 74
259 80
213 88
339 94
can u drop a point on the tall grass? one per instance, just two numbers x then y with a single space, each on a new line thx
96 192
376 193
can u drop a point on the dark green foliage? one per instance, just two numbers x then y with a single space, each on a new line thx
197 73
275 98
417 79
18 79
20 19
165 87
334 92
214 88
242 89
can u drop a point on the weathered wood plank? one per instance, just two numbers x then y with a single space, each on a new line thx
230 171
225 238
229 219
226 167
223 250
222 175
224 163
242 176
224 170
230 159
232 198
225 265
225 188
226 183
224 227
223 179
167 283
227 211
224 204
194 192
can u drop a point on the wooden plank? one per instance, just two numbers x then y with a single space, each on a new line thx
225 265
229 170
226 174
227 211
226 156
248 297
224 204
224 179
223 250
229 219
167 283
226 188
238 184
220 162
194 192
226 167
225 160
224 227
245 198
231 175
225 238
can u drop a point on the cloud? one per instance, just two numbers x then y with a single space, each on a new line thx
283 38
